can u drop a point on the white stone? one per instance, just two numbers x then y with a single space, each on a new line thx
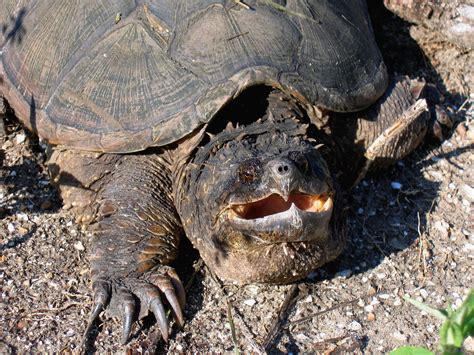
308 299
20 138
79 246
424 293
355 326
22 217
400 337
11 227
250 302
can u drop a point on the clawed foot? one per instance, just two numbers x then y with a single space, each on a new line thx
132 298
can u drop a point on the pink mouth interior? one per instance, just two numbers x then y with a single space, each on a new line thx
274 204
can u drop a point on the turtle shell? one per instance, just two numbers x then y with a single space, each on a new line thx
121 76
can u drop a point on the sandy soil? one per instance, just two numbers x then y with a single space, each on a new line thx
410 231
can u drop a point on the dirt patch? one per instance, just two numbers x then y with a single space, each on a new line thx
410 231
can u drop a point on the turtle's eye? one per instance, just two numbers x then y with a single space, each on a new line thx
300 161
249 170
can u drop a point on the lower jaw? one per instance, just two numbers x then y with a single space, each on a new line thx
275 264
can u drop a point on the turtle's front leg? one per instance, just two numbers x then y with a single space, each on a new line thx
135 234
135 237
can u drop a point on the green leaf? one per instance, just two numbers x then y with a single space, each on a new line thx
468 327
438 313
464 315
451 334
411 350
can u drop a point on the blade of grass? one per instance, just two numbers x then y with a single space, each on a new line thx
438 313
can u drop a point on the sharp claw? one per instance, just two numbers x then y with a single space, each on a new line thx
127 306
174 303
101 298
178 287
166 285
160 315
128 312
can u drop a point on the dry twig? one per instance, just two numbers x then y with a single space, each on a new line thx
245 331
278 320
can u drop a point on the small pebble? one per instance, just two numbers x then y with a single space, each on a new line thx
79 246
468 247
396 185
20 138
22 217
400 337
308 299
250 302
442 227
424 293
372 291
468 345
370 317
11 227
344 273
355 326
21 324
461 130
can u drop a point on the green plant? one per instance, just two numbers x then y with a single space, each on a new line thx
457 326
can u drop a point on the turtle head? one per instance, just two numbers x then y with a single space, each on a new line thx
261 204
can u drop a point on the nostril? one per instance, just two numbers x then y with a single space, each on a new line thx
282 169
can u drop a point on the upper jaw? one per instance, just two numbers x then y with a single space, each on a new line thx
275 219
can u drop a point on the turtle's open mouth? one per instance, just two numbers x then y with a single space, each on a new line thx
302 217
275 204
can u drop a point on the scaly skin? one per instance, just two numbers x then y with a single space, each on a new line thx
231 194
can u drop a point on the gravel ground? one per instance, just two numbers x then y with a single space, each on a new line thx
410 231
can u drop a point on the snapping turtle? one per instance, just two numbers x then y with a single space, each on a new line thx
233 124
